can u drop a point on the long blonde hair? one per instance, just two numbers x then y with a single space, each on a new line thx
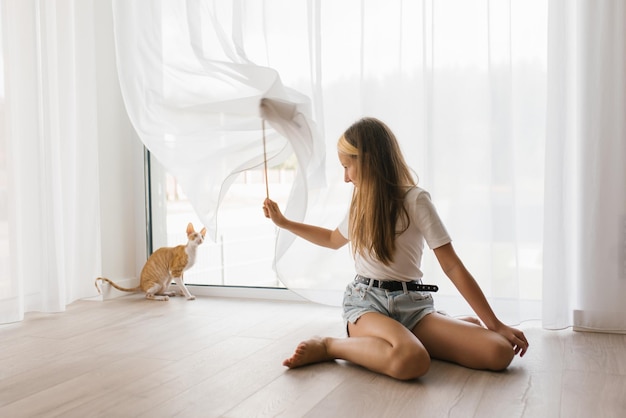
377 212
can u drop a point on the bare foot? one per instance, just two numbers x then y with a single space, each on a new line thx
308 352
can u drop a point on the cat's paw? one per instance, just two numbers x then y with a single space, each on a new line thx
191 297
156 297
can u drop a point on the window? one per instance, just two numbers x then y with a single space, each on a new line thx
243 253
465 97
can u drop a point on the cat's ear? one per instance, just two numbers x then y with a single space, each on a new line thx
203 232
190 229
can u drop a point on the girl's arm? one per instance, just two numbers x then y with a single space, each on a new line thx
453 268
315 234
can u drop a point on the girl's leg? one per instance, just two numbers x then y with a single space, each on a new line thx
376 342
463 343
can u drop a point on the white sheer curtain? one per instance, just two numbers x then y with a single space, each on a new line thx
197 101
48 157
461 82
585 204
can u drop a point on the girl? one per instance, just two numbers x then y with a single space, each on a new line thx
393 327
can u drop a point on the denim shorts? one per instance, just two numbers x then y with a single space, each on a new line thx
408 307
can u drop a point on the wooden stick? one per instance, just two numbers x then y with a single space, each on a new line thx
267 189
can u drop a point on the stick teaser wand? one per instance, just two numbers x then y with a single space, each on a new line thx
267 189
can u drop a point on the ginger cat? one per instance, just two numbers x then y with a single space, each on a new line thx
163 266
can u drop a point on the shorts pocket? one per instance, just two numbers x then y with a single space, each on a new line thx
354 294
419 296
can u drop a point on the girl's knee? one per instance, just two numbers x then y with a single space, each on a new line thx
500 355
409 363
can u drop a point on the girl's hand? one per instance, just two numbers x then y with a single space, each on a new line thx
516 338
272 211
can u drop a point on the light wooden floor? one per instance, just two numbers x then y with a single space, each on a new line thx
130 357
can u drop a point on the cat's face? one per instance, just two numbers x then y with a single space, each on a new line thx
193 236
196 237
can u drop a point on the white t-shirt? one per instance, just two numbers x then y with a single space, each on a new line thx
425 225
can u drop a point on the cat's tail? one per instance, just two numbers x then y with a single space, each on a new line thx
118 287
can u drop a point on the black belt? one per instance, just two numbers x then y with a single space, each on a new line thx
394 285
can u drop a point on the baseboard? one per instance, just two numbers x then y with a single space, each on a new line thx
600 321
109 292
245 292
242 292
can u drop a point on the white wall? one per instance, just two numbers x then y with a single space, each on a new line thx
122 195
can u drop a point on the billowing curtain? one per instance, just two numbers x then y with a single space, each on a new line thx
585 202
49 236
461 83
199 103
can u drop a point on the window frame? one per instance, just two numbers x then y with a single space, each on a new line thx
156 223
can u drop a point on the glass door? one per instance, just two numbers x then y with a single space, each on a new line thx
243 252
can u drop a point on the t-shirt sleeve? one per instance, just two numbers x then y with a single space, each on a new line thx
429 222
